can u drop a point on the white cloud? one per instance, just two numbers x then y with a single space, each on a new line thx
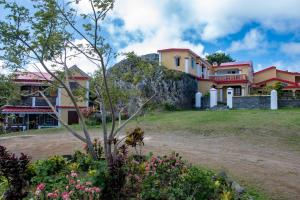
162 23
292 48
80 60
292 65
252 40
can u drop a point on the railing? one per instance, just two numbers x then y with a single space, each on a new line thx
36 101
229 77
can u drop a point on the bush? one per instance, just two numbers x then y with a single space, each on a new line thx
162 176
50 171
13 169
197 184
83 160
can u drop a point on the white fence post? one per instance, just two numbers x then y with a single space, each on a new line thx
229 97
213 97
274 100
198 100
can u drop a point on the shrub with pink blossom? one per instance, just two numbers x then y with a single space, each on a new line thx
75 189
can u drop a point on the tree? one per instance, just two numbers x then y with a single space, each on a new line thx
44 36
7 90
219 58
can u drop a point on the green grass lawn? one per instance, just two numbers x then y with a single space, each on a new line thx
284 124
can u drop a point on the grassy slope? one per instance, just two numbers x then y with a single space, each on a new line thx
284 124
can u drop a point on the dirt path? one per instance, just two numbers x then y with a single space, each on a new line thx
275 169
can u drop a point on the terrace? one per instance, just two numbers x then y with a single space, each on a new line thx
225 78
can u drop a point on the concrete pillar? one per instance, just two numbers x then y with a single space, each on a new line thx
274 100
58 98
58 103
159 58
230 97
294 93
186 65
87 95
243 91
33 101
199 71
205 73
213 97
198 100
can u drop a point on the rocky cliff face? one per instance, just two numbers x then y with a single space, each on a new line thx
173 89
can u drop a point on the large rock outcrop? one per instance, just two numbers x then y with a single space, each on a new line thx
173 89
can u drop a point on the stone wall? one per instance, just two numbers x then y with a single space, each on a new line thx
252 102
292 103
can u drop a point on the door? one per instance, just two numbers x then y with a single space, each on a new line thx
33 121
72 117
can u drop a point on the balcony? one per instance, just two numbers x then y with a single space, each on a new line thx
229 78
36 101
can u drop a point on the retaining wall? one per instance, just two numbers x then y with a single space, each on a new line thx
252 102
292 103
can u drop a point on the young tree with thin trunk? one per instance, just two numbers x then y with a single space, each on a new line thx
44 35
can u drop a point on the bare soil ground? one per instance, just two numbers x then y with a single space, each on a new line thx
273 168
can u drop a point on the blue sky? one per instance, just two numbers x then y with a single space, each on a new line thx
266 32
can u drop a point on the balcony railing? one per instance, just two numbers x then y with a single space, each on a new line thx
229 77
36 101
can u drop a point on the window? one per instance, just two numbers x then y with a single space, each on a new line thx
237 91
193 63
74 86
177 61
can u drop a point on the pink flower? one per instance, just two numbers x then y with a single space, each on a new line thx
88 183
82 187
148 168
73 174
41 187
52 195
97 190
67 187
71 181
65 196
77 186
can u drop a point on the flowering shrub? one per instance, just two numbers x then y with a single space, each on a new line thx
129 177
74 189
162 175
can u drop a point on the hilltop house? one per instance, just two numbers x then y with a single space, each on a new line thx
238 75
271 75
32 111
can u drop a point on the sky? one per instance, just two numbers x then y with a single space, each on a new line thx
263 31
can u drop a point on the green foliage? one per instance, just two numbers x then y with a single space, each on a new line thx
3 186
162 176
169 107
135 137
219 58
8 90
48 171
83 160
197 184
23 31
100 174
